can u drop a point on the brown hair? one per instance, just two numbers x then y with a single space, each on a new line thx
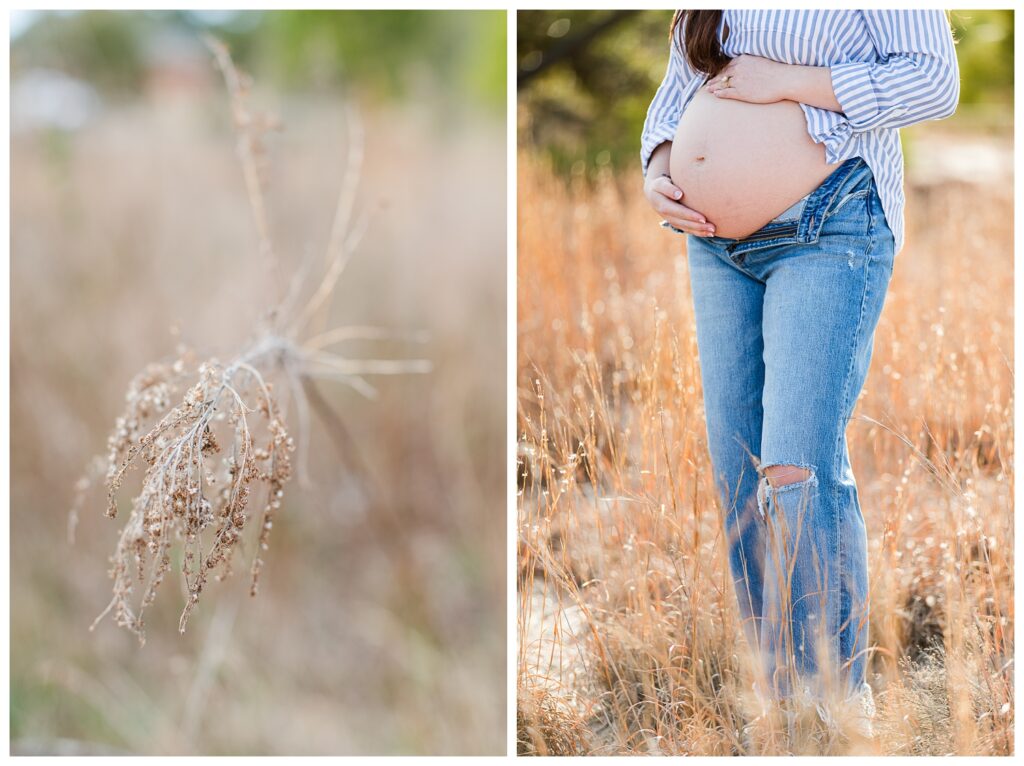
696 34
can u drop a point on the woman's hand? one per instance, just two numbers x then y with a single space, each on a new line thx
758 80
754 79
664 197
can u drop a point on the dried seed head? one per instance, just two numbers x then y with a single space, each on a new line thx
181 450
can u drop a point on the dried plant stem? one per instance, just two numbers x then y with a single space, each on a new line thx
226 438
334 271
340 334
250 150
342 223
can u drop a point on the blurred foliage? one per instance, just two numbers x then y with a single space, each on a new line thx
100 47
589 106
584 105
391 49
390 54
985 54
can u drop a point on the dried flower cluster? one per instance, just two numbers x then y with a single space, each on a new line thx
193 487
211 437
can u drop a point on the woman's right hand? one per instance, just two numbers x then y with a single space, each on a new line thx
664 197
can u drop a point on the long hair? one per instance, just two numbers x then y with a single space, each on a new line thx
696 33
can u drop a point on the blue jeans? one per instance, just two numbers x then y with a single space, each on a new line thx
785 327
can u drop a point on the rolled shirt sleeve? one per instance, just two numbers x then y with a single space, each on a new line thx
667 105
916 78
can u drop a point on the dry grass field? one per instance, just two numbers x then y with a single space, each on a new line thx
380 622
628 633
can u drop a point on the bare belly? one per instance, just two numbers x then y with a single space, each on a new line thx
742 164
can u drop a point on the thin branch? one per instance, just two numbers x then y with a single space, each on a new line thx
340 334
355 149
249 148
369 366
326 288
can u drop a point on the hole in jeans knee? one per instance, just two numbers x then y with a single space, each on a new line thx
784 474
779 478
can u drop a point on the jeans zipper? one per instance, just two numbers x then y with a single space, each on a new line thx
780 231
788 230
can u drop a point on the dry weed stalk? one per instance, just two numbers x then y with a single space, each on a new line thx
226 439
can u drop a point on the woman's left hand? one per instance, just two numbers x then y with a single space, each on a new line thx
751 78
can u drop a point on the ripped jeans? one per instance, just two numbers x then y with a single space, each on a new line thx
785 327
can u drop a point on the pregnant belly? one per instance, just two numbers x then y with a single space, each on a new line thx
742 164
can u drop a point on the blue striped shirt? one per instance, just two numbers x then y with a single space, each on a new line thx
889 69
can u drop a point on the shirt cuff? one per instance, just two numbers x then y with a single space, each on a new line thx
855 91
659 134
831 129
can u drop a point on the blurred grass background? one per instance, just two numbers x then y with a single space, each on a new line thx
380 625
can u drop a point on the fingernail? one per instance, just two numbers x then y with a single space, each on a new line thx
677 194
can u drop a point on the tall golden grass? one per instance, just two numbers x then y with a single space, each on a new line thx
629 639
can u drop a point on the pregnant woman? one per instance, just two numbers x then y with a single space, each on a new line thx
773 144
